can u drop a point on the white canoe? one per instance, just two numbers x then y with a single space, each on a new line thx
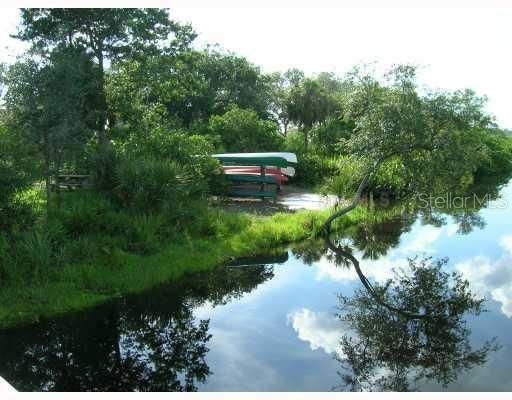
5 387
290 157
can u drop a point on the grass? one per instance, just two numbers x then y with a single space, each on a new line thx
108 271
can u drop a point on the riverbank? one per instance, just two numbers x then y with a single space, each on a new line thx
116 271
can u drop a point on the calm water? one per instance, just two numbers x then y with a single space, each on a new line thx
272 323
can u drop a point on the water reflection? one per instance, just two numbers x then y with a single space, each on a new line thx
250 326
407 330
140 343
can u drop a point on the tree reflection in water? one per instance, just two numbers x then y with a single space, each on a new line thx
150 341
410 329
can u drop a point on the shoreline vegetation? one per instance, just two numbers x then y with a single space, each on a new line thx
109 272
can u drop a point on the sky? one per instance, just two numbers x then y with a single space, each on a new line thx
467 44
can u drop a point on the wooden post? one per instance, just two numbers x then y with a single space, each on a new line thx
262 174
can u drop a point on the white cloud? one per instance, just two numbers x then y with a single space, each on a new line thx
319 329
423 241
451 229
494 278
506 243
327 269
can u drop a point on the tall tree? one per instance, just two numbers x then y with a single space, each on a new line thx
48 104
107 34
309 104
282 85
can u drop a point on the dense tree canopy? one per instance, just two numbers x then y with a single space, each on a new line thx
241 130
108 34
436 140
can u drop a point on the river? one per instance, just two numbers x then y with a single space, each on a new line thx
276 323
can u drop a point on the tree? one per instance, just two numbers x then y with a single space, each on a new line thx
233 80
184 89
107 34
282 85
309 104
433 137
49 103
16 171
241 130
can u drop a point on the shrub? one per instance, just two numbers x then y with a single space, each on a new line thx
325 138
102 166
294 142
190 152
313 169
5 258
346 177
33 255
148 183
83 212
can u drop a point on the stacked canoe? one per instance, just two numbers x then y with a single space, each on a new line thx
257 174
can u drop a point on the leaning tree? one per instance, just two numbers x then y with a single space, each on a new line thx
434 136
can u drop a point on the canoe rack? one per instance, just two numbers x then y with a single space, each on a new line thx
259 175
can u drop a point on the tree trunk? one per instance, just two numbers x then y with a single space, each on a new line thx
102 134
56 172
353 204
47 172
306 132
357 196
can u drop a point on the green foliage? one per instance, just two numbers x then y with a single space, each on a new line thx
390 178
312 169
184 89
114 31
145 235
309 103
104 34
101 166
326 138
149 183
241 130
498 157
344 177
294 143
229 80
15 174
83 213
